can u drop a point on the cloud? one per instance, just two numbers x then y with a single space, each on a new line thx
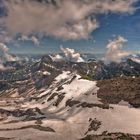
68 55
32 39
57 58
115 53
3 48
2 67
35 41
64 19
71 55
5 56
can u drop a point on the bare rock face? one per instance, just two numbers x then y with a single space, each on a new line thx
122 88
94 125
112 136
20 113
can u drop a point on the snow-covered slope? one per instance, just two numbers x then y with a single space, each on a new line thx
136 60
68 109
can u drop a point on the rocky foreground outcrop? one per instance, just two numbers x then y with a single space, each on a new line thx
112 136
122 88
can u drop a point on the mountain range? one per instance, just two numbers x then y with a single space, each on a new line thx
45 99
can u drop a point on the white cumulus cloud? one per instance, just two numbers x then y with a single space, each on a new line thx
5 56
33 39
71 55
68 55
2 67
115 51
57 58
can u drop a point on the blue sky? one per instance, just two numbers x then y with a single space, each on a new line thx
110 26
